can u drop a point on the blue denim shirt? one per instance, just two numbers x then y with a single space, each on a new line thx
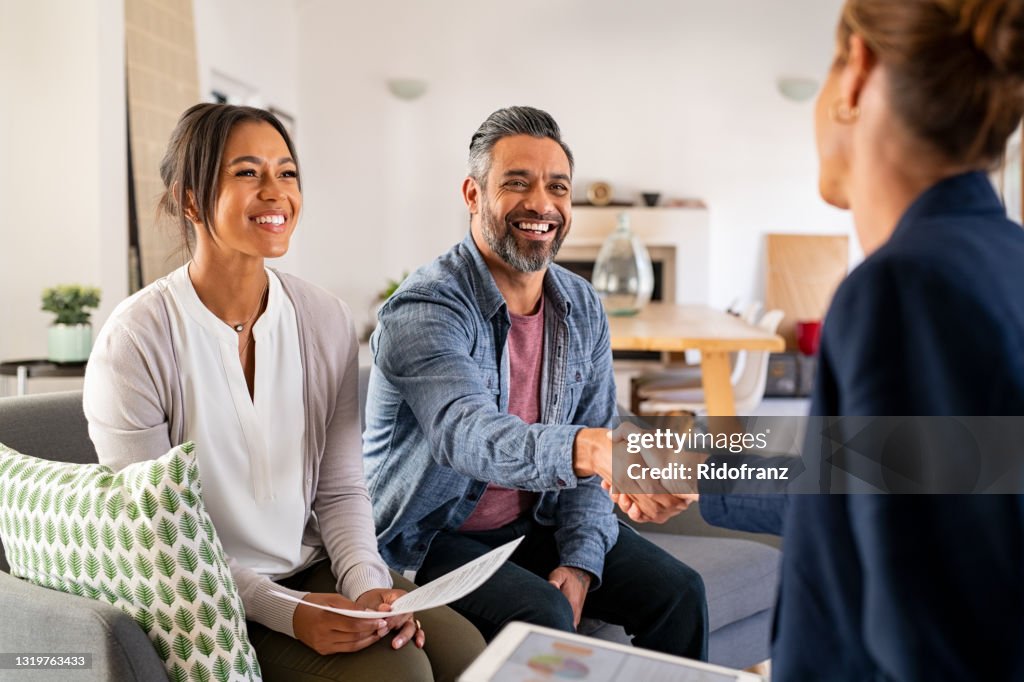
437 422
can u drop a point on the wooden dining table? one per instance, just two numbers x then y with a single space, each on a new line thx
675 328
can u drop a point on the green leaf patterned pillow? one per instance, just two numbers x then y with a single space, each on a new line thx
139 539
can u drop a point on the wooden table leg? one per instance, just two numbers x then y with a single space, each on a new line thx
715 372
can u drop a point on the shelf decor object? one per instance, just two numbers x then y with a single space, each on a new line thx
70 336
599 194
651 198
623 275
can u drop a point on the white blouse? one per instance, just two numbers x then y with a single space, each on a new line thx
250 451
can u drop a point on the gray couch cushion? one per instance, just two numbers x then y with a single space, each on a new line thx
744 643
49 426
740 577
740 580
76 625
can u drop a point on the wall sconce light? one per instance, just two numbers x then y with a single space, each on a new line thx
407 88
797 89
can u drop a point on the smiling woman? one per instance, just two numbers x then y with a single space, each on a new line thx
259 369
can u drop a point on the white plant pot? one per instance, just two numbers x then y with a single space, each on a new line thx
70 342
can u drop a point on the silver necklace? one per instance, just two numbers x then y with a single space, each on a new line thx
242 325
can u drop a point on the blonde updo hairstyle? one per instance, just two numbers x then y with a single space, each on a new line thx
956 69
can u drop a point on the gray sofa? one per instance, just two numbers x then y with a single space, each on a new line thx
740 575
42 621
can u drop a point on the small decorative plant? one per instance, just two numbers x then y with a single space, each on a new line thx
71 303
383 295
392 286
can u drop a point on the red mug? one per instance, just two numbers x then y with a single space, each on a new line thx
808 334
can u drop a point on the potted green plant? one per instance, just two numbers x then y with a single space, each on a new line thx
70 336
392 286
382 296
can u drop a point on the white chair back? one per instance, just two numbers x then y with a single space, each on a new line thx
748 388
751 312
739 359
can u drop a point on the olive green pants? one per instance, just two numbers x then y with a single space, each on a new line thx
451 645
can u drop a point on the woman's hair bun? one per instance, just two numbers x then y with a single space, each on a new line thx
997 30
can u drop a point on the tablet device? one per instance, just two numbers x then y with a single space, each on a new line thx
529 653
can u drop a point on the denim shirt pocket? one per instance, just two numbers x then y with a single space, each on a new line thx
577 374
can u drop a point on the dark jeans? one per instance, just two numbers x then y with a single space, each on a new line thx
657 599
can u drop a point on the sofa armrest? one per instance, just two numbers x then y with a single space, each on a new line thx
37 620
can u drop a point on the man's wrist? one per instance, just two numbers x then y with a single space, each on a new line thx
587 452
581 459
583 576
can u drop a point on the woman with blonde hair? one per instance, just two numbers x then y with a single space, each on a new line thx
259 369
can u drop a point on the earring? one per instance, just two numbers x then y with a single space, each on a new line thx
843 113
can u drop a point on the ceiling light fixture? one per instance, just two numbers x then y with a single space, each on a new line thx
407 88
797 89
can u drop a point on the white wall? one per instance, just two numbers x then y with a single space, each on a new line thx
62 175
676 96
63 180
254 42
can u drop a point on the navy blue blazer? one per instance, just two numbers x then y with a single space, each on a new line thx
880 587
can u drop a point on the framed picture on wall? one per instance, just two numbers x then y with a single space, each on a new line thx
225 89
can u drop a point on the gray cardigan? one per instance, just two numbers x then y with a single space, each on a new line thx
133 401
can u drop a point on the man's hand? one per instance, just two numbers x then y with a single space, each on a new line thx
381 599
643 496
574 584
636 456
330 633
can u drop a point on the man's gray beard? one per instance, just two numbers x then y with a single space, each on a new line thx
503 242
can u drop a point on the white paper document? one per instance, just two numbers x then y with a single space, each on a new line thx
444 590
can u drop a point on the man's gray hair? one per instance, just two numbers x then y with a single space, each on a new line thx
506 123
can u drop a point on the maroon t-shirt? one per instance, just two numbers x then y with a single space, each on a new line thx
500 506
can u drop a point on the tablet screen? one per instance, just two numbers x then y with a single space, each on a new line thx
540 657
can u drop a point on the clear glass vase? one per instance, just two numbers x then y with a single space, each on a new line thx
623 275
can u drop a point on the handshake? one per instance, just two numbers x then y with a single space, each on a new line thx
650 475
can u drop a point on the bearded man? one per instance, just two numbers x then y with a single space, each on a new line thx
488 411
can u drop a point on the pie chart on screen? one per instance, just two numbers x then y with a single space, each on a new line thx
558 666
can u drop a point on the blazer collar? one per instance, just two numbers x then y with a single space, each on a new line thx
968 194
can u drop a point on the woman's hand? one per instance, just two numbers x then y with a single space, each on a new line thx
408 627
331 633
